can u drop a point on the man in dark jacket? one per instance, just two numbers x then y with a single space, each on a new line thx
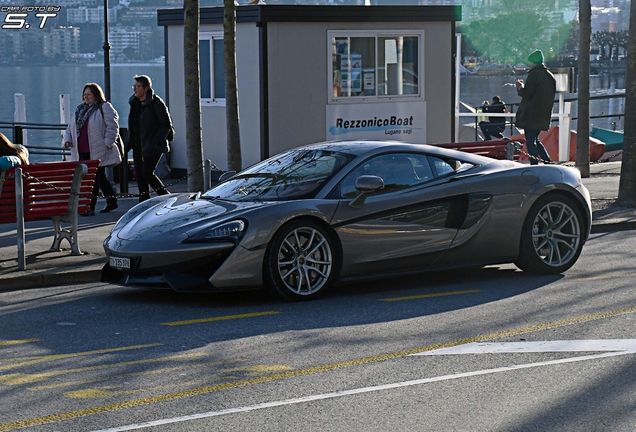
535 110
149 133
495 125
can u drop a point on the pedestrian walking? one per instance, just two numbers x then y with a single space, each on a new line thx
93 134
149 134
535 111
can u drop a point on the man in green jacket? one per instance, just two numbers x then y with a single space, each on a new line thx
535 111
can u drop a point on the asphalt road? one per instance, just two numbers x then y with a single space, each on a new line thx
95 357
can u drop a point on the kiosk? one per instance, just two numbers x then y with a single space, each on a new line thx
314 73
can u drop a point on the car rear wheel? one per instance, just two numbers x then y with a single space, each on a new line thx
552 236
300 263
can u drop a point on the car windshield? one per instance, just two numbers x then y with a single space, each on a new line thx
291 175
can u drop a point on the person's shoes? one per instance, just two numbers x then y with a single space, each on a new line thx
109 207
88 213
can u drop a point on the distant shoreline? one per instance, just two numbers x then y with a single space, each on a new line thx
118 64
135 64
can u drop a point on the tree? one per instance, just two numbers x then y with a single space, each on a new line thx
602 40
582 156
613 46
468 50
129 53
627 184
622 39
519 27
234 161
566 37
194 147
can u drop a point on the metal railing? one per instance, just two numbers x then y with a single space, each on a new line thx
555 117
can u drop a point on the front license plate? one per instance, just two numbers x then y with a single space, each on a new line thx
120 262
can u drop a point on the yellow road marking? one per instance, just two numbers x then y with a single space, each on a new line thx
104 392
133 374
110 391
307 371
21 378
220 318
441 294
258 369
99 393
18 342
44 359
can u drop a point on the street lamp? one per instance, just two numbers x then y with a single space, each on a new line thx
106 54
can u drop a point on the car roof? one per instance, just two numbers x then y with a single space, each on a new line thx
369 147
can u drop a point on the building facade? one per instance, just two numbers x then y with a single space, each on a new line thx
314 73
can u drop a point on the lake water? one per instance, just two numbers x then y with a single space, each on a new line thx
43 85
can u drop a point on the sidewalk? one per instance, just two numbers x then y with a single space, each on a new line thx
44 268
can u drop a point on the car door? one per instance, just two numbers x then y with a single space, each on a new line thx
408 223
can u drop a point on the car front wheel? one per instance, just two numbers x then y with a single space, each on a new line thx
300 261
552 236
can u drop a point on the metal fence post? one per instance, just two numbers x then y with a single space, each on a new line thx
19 213
510 151
123 166
207 174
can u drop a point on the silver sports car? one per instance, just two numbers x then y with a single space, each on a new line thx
300 221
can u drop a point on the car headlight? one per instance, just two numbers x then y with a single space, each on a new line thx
232 231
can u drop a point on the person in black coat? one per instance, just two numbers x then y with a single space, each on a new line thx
535 111
495 125
149 132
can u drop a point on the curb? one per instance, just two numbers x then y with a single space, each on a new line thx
611 225
50 280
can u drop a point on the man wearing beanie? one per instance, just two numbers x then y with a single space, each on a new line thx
535 111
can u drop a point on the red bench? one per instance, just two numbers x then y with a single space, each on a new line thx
496 149
50 190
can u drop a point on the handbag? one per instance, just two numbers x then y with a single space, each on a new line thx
119 142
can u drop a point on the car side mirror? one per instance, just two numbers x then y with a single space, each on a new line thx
366 184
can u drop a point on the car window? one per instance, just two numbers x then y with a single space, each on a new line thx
291 175
443 167
398 170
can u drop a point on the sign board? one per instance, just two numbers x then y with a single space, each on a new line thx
399 121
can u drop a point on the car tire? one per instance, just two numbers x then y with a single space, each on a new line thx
552 236
301 261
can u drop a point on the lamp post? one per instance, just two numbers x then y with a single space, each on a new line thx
123 167
106 53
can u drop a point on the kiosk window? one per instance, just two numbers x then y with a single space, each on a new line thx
212 72
386 64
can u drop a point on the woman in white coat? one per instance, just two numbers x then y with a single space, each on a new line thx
92 134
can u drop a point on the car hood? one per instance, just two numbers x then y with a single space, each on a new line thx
176 215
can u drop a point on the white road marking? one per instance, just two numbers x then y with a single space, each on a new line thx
602 345
357 391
